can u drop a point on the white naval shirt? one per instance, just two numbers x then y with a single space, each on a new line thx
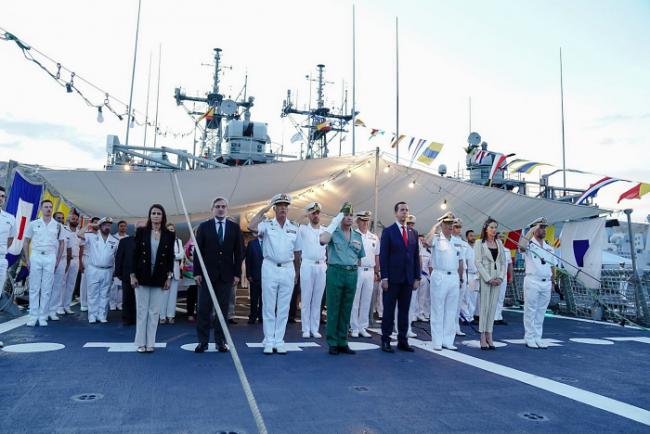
470 259
308 242
371 247
539 259
278 242
425 257
45 236
444 255
73 242
462 247
101 253
7 230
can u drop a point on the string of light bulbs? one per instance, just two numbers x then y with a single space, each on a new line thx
71 87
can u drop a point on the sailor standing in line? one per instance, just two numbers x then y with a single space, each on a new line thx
367 274
72 256
468 306
83 260
279 269
46 239
540 266
462 247
115 298
7 233
424 296
59 275
445 270
101 248
313 267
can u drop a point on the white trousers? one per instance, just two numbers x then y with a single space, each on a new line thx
168 300
468 305
147 301
99 281
277 287
115 295
498 316
3 271
56 297
537 295
312 287
70 282
83 287
360 317
444 301
424 298
41 280
462 291
379 299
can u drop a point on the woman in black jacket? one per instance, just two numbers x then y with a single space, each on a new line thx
153 267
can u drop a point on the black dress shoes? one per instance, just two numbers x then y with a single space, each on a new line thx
232 321
334 350
346 350
201 348
385 346
405 347
222 347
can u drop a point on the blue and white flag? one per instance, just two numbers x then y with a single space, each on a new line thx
581 247
23 204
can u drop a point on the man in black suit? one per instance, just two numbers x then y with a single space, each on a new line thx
399 256
220 242
123 270
254 260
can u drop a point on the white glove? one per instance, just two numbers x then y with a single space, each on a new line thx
336 221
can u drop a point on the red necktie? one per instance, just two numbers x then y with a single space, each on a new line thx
406 238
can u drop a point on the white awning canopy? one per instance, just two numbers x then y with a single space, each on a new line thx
128 194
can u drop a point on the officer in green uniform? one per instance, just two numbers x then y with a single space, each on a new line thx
344 250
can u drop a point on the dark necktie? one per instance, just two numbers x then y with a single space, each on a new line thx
220 231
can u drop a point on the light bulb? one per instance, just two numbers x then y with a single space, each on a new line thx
127 167
387 169
132 123
349 173
100 115
412 184
444 204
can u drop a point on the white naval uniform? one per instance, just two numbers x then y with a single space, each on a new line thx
83 284
498 316
58 284
462 247
313 267
115 297
45 239
73 243
424 295
445 259
537 288
278 274
7 230
360 317
169 297
99 273
469 305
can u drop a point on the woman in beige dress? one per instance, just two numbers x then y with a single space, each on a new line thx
489 253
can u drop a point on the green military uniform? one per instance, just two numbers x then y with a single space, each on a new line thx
342 259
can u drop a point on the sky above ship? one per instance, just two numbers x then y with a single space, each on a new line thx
502 54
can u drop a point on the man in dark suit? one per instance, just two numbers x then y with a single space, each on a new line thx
220 242
254 260
399 256
123 270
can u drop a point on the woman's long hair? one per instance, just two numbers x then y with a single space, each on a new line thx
484 229
163 222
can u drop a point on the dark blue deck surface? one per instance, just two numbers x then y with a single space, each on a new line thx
309 391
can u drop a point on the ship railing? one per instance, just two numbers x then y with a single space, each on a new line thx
620 296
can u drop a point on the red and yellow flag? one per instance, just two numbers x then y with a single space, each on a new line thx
635 192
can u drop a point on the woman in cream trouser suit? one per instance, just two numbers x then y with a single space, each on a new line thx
489 253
